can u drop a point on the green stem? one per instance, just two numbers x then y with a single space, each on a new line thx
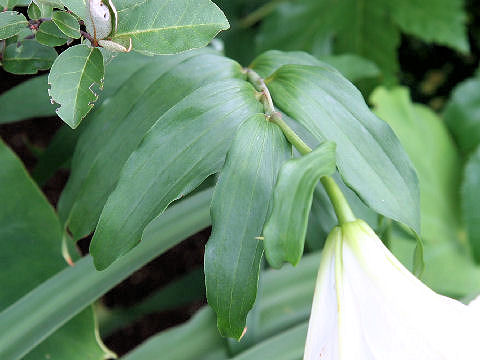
259 14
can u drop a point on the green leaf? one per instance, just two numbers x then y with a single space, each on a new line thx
40 10
270 61
72 77
353 67
11 22
27 100
49 34
434 157
53 3
67 23
285 230
29 58
30 237
462 114
369 156
183 147
10 4
78 7
63 296
239 210
117 127
470 195
168 27
440 21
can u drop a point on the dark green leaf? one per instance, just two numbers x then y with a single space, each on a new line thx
27 100
67 23
11 22
285 230
28 58
72 78
49 34
239 209
168 27
270 61
116 128
369 156
471 202
184 146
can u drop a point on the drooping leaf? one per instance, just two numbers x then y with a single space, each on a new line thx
27 100
285 230
30 237
239 209
168 27
72 78
116 128
49 34
63 296
183 147
462 114
435 159
440 21
470 194
29 58
67 23
11 22
369 156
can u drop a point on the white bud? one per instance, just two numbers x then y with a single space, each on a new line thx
99 23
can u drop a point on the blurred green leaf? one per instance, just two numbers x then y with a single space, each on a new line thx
462 114
183 147
63 296
10 4
435 159
285 230
49 34
11 22
353 67
369 156
27 100
72 78
159 27
30 237
470 195
67 23
28 58
40 10
239 209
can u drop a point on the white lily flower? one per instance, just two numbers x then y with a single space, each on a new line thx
368 306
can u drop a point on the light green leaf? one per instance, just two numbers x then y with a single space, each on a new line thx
78 7
470 194
11 22
239 209
435 159
53 3
27 100
37 11
29 58
369 156
462 114
183 147
285 230
168 26
49 34
30 237
72 78
117 127
67 23
10 4
440 21
63 296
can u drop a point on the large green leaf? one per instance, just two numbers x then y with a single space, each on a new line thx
285 230
72 78
11 23
29 58
116 128
471 201
369 156
440 21
270 61
184 146
25 101
168 26
435 159
49 34
67 23
61 297
9 4
239 210
30 237
462 114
